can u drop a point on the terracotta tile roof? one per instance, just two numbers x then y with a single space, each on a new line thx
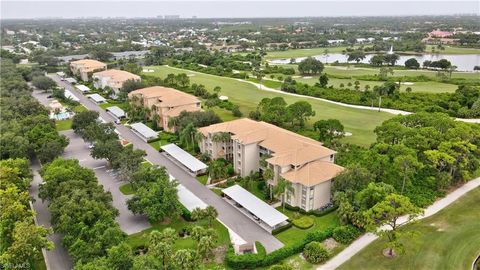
313 173
89 64
117 75
167 97
288 147
176 111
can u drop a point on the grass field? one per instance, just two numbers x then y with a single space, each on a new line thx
63 125
141 238
203 179
294 53
417 87
359 122
225 115
295 234
449 240
126 189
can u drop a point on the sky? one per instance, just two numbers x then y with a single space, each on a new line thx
232 9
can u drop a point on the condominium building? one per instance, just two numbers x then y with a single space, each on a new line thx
113 78
86 67
257 146
164 102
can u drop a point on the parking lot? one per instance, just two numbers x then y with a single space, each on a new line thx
78 149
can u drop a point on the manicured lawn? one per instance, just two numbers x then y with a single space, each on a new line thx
158 144
121 105
448 240
294 234
225 115
141 238
423 87
79 108
359 122
203 179
294 53
217 191
454 50
63 124
267 83
126 189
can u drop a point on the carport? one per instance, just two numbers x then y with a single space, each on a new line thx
97 98
144 132
266 216
82 88
116 111
190 162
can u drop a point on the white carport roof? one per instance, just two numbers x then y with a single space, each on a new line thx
187 198
97 98
259 208
184 157
71 80
144 130
119 113
70 95
82 88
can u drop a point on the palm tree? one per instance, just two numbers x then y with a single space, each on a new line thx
325 53
380 91
185 259
211 214
205 247
161 245
282 188
187 136
197 214
222 137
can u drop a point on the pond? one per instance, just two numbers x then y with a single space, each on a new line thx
464 62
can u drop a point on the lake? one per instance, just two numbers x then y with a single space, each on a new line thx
464 62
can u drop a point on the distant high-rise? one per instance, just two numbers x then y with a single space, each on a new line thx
172 17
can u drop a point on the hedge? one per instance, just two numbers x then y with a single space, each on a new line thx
317 213
304 222
185 213
346 234
281 229
250 261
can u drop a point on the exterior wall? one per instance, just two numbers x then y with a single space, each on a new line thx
251 159
82 72
322 194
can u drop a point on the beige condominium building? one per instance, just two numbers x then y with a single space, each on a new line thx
86 67
165 102
255 146
113 78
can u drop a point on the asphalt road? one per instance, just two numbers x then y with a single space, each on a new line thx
57 258
227 214
78 149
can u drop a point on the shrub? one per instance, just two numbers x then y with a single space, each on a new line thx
249 261
346 234
186 214
304 222
315 253
260 249
281 229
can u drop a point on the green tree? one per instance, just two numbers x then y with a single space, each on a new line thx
161 245
188 136
120 257
157 200
185 259
356 55
300 111
412 63
210 214
329 130
43 83
108 150
315 253
407 166
323 80
383 220
283 187
310 65
83 119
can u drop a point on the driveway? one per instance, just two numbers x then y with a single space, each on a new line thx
57 258
227 214
78 149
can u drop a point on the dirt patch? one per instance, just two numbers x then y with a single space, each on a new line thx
166 221
389 253
330 244
442 226
220 254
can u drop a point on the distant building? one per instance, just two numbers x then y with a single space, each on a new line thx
86 67
113 78
440 34
165 102
171 17
257 146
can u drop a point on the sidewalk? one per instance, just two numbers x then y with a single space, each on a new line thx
368 238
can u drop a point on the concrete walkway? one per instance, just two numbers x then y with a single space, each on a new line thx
368 238
265 88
